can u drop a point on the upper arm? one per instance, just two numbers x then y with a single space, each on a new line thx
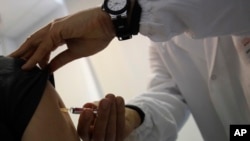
48 123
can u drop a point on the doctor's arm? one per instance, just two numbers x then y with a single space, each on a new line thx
164 107
163 19
90 31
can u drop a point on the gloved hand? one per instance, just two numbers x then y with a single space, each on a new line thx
114 122
85 33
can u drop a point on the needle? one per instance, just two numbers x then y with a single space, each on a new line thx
76 110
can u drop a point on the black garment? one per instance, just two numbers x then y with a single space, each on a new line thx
20 94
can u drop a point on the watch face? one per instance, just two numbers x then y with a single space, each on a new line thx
116 5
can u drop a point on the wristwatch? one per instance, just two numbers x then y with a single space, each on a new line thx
118 11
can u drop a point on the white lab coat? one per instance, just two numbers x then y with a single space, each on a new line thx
206 77
163 19
202 76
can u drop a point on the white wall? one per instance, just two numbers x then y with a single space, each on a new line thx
7 45
60 11
122 68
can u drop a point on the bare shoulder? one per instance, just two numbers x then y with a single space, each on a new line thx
48 123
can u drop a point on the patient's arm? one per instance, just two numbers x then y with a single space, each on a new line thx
48 122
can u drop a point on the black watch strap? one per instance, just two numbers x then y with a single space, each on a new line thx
125 25
121 28
135 18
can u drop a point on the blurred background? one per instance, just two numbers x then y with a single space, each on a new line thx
121 69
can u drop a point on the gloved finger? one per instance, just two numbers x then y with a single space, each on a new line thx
246 41
43 63
101 122
90 105
31 42
111 126
120 122
41 52
61 59
84 124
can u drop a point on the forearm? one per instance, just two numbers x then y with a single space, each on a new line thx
132 120
161 20
163 104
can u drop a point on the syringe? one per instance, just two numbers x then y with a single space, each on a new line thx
76 110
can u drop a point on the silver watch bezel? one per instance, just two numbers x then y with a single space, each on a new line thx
121 12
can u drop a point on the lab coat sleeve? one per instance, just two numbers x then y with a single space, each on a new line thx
163 19
164 107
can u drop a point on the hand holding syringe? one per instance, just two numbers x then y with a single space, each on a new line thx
111 121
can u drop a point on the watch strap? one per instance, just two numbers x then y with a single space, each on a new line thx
135 18
121 28
125 25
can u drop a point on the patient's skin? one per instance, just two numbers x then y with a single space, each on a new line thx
48 122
